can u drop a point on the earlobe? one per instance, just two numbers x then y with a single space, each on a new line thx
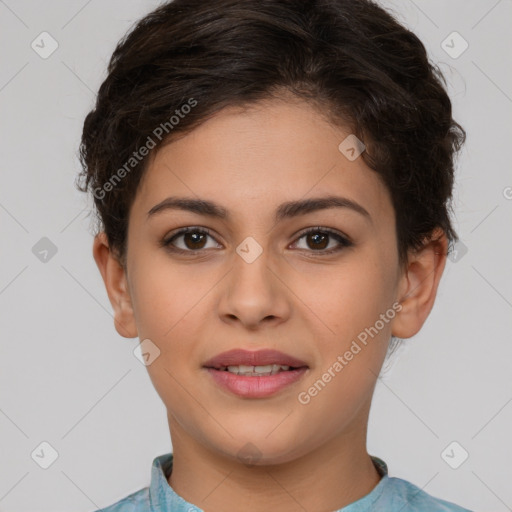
115 280
419 283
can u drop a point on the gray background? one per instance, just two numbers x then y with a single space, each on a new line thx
67 378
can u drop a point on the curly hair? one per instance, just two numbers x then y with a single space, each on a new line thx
351 59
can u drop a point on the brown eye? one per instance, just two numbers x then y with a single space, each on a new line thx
192 239
319 240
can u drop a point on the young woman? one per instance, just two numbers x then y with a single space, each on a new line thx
272 181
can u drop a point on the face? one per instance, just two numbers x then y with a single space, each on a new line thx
319 284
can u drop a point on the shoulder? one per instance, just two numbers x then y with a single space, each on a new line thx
136 502
408 497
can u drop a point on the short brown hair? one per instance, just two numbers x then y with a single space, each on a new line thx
350 58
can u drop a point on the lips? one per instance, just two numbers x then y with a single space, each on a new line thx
255 374
240 357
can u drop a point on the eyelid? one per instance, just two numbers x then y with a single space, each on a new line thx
330 231
166 241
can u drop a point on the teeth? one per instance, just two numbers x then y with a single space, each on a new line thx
250 371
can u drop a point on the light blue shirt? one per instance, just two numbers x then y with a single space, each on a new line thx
390 495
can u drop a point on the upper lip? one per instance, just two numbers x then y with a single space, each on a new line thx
238 357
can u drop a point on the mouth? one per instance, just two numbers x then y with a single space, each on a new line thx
256 371
255 374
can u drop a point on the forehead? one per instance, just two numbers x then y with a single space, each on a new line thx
251 160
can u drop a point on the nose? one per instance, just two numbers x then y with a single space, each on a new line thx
253 294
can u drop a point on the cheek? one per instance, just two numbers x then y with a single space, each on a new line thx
170 308
347 298
164 295
351 352
350 302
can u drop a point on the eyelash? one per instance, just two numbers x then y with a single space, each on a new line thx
343 241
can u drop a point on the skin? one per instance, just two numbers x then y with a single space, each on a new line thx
291 298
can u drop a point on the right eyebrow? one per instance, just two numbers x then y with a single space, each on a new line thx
199 206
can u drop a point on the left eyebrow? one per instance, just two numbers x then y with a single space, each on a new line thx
284 211
302 207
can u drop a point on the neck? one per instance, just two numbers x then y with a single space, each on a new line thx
333 476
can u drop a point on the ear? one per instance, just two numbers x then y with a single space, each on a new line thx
115 279
418 285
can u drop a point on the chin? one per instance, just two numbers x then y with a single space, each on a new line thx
262 449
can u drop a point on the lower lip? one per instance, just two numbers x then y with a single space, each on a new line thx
256 387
